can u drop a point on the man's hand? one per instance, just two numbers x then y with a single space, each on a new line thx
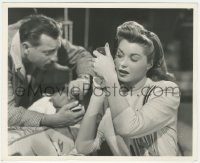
64 117
78 88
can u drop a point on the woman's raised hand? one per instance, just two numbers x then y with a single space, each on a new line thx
103 64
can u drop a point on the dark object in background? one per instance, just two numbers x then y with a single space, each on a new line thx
101 50
105 150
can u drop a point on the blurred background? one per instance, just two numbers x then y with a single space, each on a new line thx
92 28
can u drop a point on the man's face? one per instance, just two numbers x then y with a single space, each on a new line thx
45 54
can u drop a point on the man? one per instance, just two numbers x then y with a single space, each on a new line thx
36 49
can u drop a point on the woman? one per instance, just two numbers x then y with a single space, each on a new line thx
142 115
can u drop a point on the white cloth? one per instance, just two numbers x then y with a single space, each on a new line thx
43 105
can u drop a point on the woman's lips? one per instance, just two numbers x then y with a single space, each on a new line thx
123 72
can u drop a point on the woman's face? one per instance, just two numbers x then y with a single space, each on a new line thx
131 62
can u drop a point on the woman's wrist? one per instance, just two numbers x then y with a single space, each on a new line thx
98 96
95 105
110 78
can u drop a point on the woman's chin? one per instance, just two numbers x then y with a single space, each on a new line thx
123 79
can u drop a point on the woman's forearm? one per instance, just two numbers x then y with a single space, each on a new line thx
88 129
116 101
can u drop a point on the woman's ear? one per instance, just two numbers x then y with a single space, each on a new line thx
149 66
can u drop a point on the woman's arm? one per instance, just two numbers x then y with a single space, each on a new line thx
116 101
158 112
85 142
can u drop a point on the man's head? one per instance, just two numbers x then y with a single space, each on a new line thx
40 40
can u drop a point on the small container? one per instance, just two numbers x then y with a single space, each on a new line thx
101 50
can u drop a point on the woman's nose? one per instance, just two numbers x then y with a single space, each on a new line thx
123 63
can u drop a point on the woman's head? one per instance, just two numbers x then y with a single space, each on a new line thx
139 54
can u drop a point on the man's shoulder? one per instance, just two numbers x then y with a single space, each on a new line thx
12 30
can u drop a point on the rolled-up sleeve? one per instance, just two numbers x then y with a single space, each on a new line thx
159 111
19 116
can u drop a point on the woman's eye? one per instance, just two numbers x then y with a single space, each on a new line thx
119 55
134 59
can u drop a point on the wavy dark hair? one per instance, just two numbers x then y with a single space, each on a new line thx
136 33
34 26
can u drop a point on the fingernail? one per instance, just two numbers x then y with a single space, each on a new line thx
107 44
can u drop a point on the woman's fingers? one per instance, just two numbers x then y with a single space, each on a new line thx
107 49
96 53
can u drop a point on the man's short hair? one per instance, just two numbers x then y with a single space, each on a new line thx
36 25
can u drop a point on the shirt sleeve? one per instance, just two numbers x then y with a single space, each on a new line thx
159 111
78 57
19 116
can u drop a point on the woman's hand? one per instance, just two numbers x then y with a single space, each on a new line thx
103 64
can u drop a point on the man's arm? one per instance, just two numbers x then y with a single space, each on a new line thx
78 57
19 116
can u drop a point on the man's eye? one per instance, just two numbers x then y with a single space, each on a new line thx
47 53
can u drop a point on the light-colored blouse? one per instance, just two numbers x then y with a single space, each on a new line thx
148 127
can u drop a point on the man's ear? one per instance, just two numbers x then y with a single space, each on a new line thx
26 45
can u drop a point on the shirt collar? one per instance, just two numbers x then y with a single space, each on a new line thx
15 52
143 89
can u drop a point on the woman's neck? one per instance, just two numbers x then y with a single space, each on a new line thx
135 86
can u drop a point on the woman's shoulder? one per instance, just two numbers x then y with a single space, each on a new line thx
164 87
164 83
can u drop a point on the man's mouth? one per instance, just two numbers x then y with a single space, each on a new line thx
123 72
56 66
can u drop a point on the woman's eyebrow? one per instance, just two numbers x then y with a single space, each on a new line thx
135 54
132 54
120 50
